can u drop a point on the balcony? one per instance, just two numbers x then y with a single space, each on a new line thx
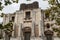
27 19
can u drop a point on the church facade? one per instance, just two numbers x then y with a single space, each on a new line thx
28 23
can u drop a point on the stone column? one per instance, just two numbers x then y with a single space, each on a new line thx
20 31
33 21
33 25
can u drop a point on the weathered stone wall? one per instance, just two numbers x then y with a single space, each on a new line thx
33 5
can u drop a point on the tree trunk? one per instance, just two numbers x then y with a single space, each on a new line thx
0 33
7 37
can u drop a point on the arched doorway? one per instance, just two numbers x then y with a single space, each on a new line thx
26 33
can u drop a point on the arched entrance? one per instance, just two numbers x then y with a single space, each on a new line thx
27 33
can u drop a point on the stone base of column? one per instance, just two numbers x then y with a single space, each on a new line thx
36 38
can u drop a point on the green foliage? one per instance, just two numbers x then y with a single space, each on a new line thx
7 2
15 1
8 26
1 7
47 13
57 30
2 14
58 34
0 3
58 14
58 21
55 7
52 2
1 27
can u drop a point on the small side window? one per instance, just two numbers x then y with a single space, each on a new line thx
13 18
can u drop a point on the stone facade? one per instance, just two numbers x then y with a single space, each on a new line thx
29 19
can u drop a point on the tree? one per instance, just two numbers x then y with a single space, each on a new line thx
8 28
1 7
55 7
57 30
7 2
47 13
2 14
1 27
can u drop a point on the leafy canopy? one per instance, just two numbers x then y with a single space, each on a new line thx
7 2
55 7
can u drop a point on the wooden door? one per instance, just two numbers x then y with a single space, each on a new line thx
27 36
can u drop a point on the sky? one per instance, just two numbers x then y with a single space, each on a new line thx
15 6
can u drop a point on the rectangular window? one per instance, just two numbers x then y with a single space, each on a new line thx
27 15
13 18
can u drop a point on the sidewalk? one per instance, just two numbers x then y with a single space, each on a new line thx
1 39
